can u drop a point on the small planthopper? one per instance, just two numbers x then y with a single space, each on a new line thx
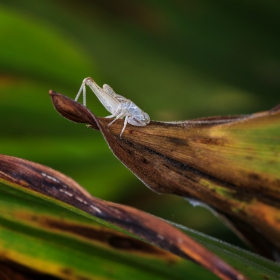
117 105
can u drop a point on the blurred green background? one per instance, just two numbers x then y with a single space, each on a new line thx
175 59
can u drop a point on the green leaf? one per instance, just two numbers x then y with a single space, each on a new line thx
40 231
47 232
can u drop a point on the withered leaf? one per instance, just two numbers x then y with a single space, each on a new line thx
230 163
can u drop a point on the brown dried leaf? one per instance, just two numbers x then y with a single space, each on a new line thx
198 160
230 163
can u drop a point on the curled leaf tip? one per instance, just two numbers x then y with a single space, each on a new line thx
72 110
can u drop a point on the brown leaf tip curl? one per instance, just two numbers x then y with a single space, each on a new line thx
72 110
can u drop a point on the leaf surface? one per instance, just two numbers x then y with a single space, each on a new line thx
42 183
230 163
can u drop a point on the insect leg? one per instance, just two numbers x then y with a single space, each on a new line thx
82 89
120 115
124 126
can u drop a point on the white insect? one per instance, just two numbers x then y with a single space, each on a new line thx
117 105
